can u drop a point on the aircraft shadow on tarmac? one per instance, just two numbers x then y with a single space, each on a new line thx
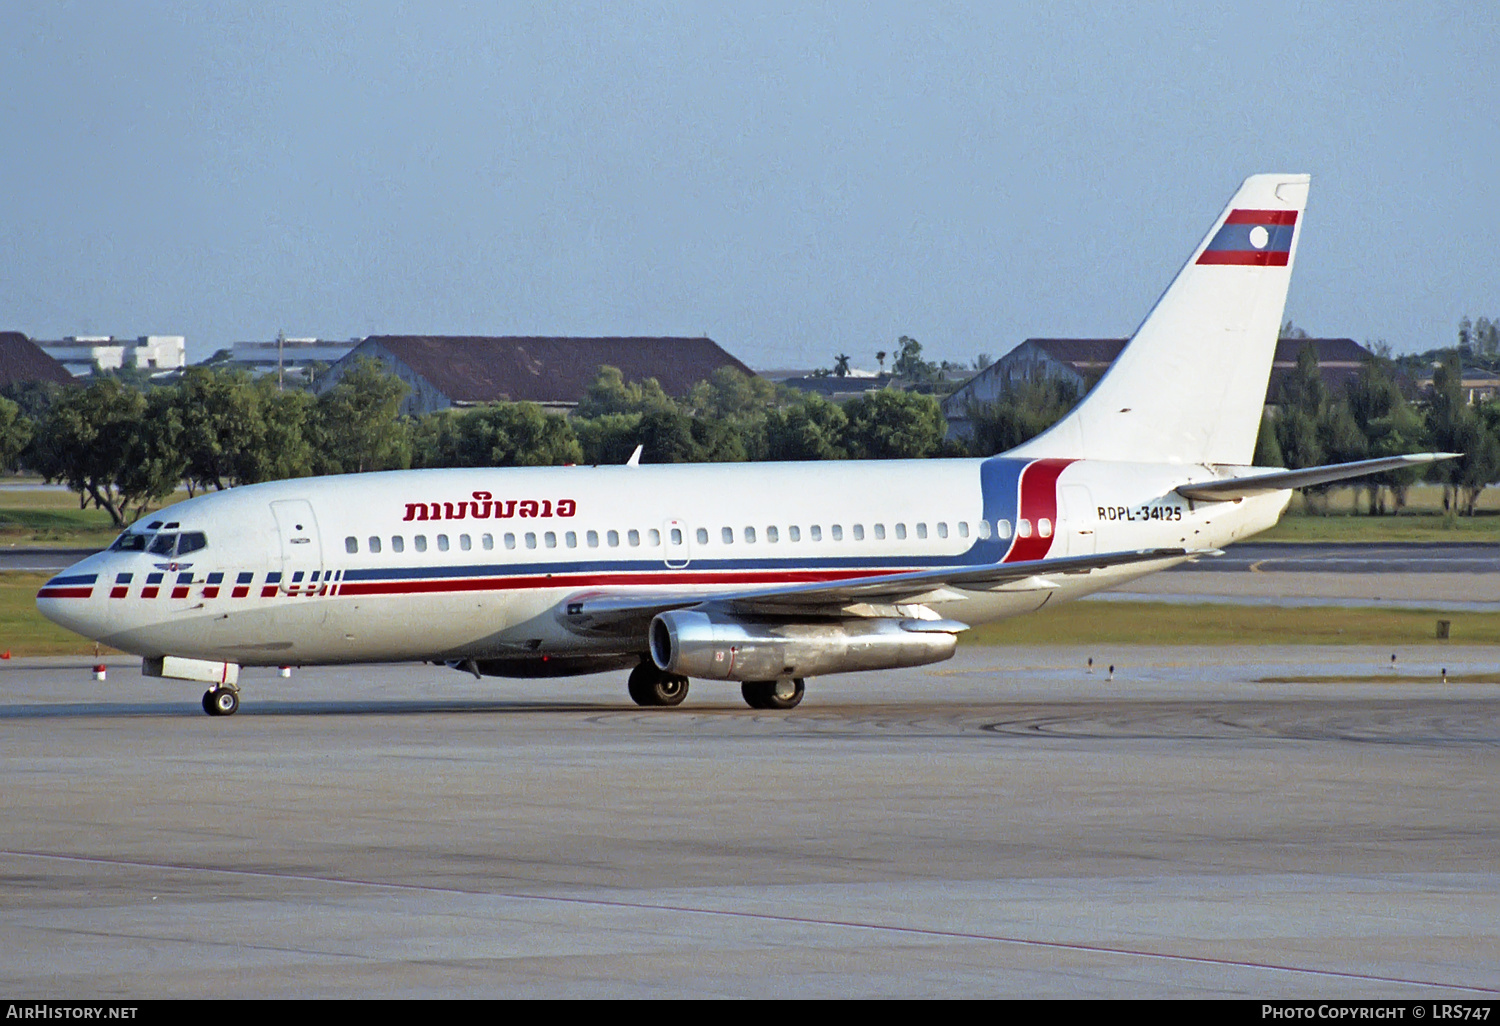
181 709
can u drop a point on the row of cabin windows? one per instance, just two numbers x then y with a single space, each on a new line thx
613 539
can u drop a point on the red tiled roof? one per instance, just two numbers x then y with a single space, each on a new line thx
23 360
479 369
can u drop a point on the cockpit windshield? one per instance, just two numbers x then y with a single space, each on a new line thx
166 544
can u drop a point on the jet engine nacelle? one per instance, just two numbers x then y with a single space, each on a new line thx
719 646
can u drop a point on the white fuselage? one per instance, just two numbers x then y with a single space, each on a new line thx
475 563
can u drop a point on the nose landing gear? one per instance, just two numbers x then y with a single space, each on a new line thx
221 701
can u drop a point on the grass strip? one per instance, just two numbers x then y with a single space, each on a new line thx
1385 678
1165 623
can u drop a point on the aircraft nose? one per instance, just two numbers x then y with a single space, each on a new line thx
71 600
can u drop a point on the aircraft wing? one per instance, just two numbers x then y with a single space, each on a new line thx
1260 484
613 613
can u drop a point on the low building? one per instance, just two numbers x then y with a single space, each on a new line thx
82 354
1083 361
22 360
295 359
444 371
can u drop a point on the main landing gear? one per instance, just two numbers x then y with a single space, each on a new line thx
221 701
773 694
651 686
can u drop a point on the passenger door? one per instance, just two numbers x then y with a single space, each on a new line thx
301 548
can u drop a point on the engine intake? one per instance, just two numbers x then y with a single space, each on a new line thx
718 646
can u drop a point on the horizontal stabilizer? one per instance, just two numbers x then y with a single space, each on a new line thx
1260 484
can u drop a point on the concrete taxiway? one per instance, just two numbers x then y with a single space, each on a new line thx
1003 824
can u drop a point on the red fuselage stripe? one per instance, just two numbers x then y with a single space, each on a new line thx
1038 502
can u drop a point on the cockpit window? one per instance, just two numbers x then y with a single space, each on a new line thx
166 544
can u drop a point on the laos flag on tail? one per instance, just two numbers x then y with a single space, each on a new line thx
1252 238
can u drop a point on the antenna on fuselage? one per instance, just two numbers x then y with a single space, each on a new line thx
635 457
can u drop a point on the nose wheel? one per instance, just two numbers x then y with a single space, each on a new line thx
222 701
773 694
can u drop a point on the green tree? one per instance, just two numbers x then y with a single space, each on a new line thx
502 435
909 364
1455 426
219 418
811 428
355 425
888 425
611 393
1390 426
115 447
15 433
608 439
1026 410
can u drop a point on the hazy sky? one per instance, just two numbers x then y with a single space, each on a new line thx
792 181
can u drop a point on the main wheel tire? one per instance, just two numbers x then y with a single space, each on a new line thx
226 701
785 693
649 686
208 703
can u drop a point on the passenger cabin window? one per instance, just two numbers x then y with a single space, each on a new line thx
398 543
487 541
464 543
549 539
879 532
653 538
442 541
922 531
510 540
419 542
1044 527
749 534
901 531
728 535
613 537
859 532
531 539
593 539
571 539
1023 528
702 536
374 543
837 530
794 533
1002 529
634 537
773 535
815 533
984 529
351 544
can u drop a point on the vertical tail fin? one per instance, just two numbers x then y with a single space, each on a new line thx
1191 384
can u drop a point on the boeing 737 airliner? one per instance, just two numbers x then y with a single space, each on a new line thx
763 574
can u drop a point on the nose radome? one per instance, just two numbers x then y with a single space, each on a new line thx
68 599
